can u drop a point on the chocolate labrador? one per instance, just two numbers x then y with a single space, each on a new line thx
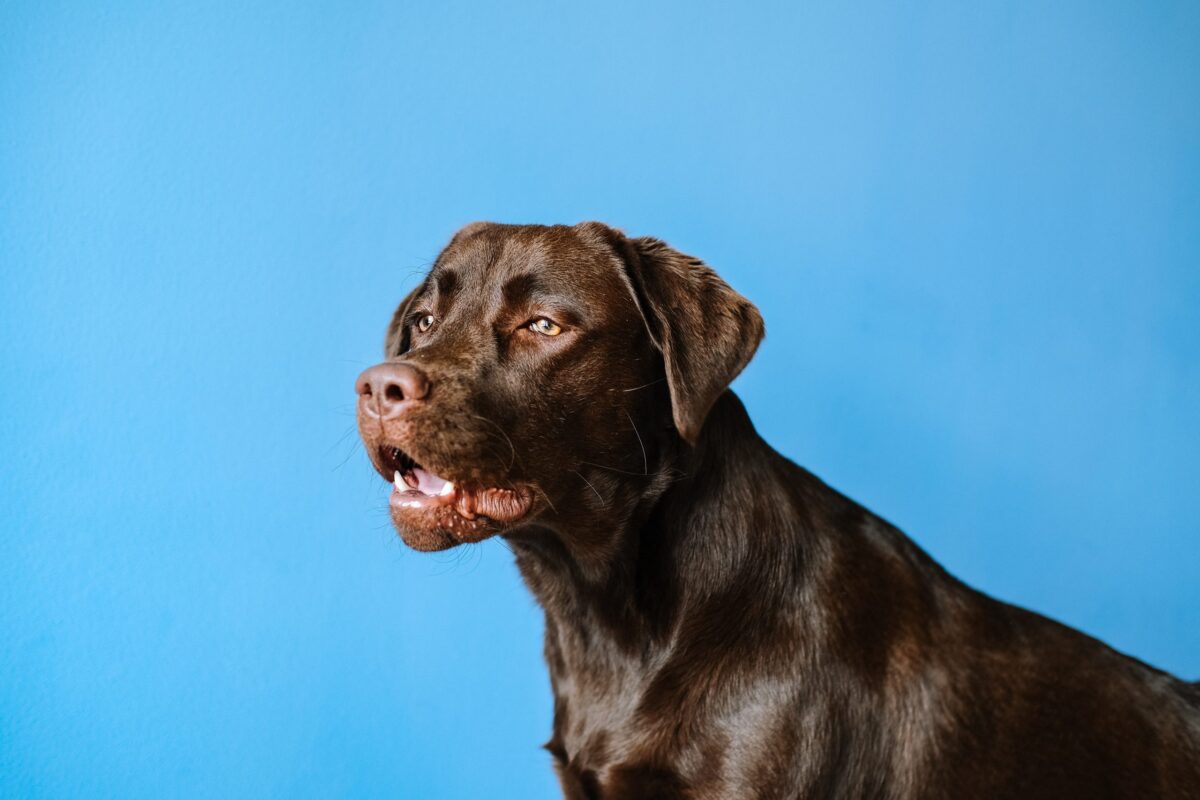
719 622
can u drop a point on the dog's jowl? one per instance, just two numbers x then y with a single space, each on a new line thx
719 622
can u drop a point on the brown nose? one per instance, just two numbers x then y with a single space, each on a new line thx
385 389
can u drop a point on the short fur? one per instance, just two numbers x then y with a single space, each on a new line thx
719 622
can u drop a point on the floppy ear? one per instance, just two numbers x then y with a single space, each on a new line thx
706 331
396 341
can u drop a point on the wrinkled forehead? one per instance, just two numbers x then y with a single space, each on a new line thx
512 265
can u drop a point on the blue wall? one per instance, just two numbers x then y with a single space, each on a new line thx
973 229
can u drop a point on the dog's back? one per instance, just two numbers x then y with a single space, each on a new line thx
810 649
985 699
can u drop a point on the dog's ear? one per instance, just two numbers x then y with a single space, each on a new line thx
706 331
396 341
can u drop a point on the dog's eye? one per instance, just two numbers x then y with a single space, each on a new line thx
546 327
425 323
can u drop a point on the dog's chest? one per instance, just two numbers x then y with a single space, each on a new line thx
600 719
614 740
599 697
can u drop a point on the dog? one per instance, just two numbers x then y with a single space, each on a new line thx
719 622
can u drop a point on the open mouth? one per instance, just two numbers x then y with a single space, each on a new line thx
410 478
416 488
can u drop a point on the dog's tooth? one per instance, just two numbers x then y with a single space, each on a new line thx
447 488
398 481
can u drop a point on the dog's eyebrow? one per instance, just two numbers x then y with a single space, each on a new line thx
521 287
447 281
529 288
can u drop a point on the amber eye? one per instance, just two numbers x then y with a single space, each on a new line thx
425 323
545 327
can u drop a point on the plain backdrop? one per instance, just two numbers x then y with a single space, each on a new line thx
973 230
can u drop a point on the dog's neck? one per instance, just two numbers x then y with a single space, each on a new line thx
741 557
722 517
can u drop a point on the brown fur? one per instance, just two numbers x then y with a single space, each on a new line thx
719 622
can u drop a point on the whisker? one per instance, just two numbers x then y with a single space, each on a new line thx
415 271
511 449
493 453
545 497
589 483
349 431
644 385
342 463
451 560
611 469
645 461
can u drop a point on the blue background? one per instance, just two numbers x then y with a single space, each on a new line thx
973 229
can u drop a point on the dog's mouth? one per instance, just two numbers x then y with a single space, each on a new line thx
409 477
422 500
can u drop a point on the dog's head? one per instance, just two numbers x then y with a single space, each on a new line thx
537 371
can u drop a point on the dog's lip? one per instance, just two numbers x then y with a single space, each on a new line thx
504 506
416 489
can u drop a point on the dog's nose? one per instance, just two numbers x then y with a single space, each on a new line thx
384 388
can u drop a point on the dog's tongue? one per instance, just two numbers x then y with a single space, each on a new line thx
426 482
